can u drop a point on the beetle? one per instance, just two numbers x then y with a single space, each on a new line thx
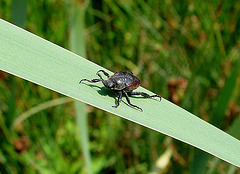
122 82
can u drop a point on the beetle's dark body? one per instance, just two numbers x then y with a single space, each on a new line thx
122 82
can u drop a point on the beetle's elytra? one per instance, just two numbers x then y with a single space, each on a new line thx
122 82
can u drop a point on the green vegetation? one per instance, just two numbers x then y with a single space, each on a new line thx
187 52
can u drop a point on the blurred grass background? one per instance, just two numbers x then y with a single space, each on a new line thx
186 51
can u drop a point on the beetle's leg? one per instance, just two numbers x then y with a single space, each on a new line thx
128 100
145 95
91 81
105 73
119 99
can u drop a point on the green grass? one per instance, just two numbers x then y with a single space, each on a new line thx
78 46
44 63
158 42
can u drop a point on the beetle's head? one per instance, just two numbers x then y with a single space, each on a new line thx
108 83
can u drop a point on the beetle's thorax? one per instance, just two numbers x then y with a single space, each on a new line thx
122 80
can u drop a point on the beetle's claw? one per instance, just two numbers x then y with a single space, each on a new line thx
114 106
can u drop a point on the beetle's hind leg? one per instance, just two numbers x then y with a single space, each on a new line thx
145 95
91 81
119 99
128 100
105 73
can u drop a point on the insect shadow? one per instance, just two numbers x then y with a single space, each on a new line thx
102 90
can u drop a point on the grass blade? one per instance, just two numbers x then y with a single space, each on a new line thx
225 96
77 45
39 61
19 10
38 108
217 117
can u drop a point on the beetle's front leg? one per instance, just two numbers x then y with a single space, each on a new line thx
119 99
105 73
91 81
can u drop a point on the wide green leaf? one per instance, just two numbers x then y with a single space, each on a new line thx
39 61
